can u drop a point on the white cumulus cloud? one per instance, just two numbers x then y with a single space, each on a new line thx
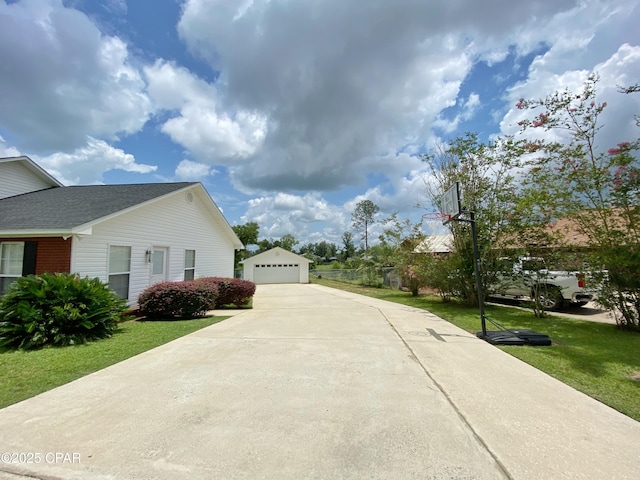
63 79
87 164
193 171
198 121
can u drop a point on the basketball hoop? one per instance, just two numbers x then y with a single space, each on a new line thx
449 207
435 218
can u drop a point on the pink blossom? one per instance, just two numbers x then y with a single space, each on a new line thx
541 120
622 147
532 147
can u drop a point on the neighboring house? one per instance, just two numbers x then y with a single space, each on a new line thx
276 266
131 236
435 244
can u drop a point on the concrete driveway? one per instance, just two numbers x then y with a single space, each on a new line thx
320 384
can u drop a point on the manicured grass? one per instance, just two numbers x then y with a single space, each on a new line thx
28 373
596 358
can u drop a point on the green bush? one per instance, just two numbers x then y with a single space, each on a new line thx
336 265
57 309
171 300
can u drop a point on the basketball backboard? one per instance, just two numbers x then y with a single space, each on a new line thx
450 203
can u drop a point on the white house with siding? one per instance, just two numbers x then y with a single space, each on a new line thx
435 244
130 236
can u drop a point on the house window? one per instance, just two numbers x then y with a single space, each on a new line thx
11 255
189 264
119 269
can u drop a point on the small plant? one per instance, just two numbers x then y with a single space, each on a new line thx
57 309
169 300
336 265
231 291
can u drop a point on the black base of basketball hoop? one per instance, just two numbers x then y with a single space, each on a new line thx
515 337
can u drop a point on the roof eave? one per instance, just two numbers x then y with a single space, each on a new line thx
38 232
235 240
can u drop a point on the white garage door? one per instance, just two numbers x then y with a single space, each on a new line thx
276 273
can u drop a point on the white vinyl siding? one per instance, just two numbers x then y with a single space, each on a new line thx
18 179
189 264
170 221
120 269
11 256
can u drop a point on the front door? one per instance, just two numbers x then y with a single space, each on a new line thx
159 265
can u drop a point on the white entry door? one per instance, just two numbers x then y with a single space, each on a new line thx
159 265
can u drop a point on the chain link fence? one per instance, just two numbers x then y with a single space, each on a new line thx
386 276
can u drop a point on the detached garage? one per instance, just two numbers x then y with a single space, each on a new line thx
277 266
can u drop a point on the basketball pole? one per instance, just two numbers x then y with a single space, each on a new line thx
476 257
451 208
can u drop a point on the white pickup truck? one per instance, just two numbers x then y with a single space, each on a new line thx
528 277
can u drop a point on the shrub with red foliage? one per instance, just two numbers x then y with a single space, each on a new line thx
170 300
231 290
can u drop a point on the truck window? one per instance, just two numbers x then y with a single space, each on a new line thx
533 264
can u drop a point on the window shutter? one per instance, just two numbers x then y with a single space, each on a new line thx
29 258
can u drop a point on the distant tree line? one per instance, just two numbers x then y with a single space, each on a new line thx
320 252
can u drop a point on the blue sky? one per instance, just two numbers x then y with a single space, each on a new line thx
292 111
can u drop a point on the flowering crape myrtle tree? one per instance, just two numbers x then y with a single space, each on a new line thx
487 174
596 187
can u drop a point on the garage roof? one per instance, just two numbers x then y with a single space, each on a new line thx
276 252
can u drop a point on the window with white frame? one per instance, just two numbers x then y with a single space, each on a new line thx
120 269
11 255
189 264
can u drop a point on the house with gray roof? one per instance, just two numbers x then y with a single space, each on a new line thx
131 236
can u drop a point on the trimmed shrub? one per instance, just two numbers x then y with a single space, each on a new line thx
231 290
57 309
171 300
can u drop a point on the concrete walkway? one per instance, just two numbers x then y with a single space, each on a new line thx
315 383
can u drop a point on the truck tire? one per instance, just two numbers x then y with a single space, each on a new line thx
548 296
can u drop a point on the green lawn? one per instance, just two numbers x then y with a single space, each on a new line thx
28 373
595 358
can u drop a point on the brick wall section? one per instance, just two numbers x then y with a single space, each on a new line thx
53 253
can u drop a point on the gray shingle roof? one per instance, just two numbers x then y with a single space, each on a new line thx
68 207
